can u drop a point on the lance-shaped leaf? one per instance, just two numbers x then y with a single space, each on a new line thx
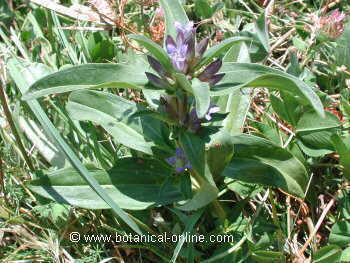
24 73
89 76
156 82
210 70
327 254
202 47
261 30
340 233
157 51
241 75
342 146
204 196
219 49
200 91
134 184
156 66
194 148
116 116
220 152
189 225
259 161
236 103
315 133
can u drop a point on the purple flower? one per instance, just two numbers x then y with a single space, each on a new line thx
182 51
179 161
195 122
209 73
156 81
216 78
156 66
210 70
178 54
202 46
186 30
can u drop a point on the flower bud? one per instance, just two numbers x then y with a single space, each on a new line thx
170 45
156 81
210 70
202 47
216 78
156 66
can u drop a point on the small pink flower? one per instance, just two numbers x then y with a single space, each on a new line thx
333 24
159 12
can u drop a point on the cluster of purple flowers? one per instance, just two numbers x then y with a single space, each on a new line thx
181 51
184 55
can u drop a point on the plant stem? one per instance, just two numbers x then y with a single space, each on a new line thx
14 129
229 251
219 210
2 181
216 206
275 221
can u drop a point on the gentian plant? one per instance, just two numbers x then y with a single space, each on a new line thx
185 140
183 144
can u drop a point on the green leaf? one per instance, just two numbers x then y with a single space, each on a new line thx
202 197
239 52
24 73
173 12
246 191
156 115
345 255
344 153
219 49
310 151
315 132
342 55
240 75
190 223
300 44
280 108
259 161
200 90
203 9
238 102
340 234
88 76
114 114
220 152
262 256
345 106
194 148
134 184
328 254
310 122
202 97
262 33
157 51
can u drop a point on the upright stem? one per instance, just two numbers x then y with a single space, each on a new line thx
275 221
14 129
2 181
216 206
